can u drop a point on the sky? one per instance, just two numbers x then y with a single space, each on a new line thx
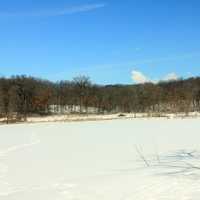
111 41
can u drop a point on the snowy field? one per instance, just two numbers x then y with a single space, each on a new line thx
132 159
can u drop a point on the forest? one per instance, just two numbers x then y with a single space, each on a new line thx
23 96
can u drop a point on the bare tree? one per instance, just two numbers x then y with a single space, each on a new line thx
82 85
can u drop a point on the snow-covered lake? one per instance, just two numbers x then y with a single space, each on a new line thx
136 159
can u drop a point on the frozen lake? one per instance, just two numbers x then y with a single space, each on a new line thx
138 159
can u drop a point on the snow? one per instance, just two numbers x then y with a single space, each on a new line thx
101 160
98 117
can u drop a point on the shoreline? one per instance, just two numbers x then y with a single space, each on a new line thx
105 117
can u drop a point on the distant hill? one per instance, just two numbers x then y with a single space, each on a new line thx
21 96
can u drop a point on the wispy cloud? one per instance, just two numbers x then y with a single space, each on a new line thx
116 66
137 49
55 12
169 58
139 78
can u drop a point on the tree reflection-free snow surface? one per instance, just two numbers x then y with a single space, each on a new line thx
99 161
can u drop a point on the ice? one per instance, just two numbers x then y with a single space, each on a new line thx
101 160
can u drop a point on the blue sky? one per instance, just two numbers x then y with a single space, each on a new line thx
112 41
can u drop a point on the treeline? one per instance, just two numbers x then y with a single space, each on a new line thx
21 96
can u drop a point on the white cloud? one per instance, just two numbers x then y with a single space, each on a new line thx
170 77
139 77
56 12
